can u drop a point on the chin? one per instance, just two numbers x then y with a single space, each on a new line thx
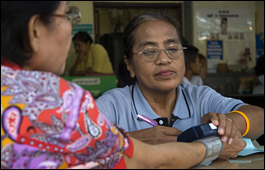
60 71
169 85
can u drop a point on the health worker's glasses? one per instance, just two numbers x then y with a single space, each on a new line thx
73 15
173 51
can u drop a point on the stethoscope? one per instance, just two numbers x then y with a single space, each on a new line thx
173 117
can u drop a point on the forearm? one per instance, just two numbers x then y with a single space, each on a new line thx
137 135
156 134
180 155
73 71
166 155
255 115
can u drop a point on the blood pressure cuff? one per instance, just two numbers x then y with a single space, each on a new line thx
214 147
198 132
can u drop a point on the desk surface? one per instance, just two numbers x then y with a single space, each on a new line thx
254 161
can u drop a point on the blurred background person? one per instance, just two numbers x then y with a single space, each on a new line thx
258 83
192 64
258 79
198 79
90 58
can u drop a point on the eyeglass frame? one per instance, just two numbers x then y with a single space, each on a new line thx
70 15
183 48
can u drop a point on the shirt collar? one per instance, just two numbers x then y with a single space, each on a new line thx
142 106
185 80
10 64
181 109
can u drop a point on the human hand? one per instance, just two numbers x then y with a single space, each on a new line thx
81 57
232 150
157 134
226 126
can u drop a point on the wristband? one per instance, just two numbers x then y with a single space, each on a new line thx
246 119
214 147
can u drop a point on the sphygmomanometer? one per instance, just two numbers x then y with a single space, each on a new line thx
206 134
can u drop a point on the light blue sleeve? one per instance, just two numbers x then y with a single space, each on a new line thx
115 104
196 80
106 104
217 103
204 99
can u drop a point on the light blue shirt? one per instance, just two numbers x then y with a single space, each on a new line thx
117 105
196 80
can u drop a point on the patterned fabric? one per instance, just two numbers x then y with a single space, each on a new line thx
48 122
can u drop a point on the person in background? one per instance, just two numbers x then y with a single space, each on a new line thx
258 79
258 82
123 76
91 58
192 64
198 79
154 58
48 122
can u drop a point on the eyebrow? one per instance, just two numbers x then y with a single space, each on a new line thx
144 43
175 40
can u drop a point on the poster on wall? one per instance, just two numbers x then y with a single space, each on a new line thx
259 44
215 49
228 24
214 54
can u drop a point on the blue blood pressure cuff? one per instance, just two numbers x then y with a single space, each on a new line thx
198 132
206 134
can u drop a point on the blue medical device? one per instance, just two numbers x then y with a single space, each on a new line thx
198 132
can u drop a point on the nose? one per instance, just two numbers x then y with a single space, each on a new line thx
162 57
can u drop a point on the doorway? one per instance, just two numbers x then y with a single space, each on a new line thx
110 19
107 15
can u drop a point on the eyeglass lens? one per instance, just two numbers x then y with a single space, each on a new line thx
74 15
172 51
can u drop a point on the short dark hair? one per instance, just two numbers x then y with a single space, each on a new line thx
202 58
83 36
129 37
191 54
15 15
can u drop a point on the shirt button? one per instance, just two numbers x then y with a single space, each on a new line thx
161 122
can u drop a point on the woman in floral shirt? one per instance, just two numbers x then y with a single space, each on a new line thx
48 122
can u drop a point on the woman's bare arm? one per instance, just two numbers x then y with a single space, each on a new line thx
255 115
166 155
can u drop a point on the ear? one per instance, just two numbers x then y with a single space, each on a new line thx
191 65
88 43
34 32
129 66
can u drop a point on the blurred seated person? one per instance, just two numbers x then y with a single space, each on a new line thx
91 59
258 79
50 123
192 64
198 79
